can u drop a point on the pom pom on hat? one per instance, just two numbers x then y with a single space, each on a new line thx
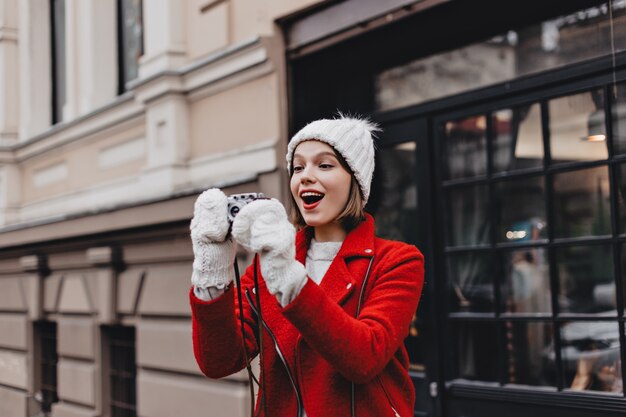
351 137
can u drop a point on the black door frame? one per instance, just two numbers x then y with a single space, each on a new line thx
412 122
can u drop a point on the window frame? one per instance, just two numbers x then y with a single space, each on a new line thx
58 73
125 337
551 244
121 42
47 357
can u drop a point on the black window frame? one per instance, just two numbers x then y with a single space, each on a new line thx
121 42
580 78
121 370
47 362
57 60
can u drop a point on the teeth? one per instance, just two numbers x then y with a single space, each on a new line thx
311 194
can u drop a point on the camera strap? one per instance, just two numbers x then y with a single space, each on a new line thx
257 310
251 377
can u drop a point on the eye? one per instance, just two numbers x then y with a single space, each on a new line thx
297 168
326 166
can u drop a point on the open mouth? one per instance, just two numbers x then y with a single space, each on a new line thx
309 198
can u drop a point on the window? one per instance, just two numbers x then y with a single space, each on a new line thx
46 333
534 241
397 218
130 40
552 43
57 24
122 371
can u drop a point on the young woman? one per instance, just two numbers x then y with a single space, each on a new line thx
336 301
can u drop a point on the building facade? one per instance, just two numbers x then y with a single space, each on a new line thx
502 158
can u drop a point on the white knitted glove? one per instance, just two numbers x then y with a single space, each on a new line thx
214 252
262 227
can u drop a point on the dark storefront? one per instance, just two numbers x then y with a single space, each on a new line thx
504 159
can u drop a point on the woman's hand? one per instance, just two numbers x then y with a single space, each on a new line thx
214 251
262 227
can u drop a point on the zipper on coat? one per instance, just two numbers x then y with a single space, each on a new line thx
281 357
396 414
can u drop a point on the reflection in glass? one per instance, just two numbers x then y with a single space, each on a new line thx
470 282
623 250
527 346
526 287
517 138
586 280
521 210
621 196
619 119
591 356
131 37
581 203
396 217
466 147
468 222
476 350
577 127
550 44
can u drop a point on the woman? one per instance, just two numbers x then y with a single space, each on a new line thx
336 300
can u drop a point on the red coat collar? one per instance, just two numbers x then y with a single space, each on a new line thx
359 241
341 278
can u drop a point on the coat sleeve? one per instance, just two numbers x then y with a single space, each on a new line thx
360 348
216 332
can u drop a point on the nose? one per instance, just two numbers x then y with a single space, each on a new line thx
306 176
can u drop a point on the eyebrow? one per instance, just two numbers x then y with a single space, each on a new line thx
323 153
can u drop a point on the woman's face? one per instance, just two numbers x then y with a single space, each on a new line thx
320 185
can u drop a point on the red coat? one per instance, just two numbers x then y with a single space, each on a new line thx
323 344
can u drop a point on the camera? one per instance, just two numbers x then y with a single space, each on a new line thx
237 201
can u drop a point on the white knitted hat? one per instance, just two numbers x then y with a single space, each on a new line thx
351 137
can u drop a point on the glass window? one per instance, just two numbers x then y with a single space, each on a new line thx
553 43
517 138
578 128
526 286
586 280
619 118
468 219
621 196
470 280
396 217
475 356
521 209
581 203
591 356
48 358
623 254
529 353
122 371
466 147
131 40
57 8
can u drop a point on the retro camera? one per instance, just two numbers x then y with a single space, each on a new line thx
237 201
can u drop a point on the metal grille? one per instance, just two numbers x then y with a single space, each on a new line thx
122 372
48 363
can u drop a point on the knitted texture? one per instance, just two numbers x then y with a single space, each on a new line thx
319 257
351 137
262 227
214 253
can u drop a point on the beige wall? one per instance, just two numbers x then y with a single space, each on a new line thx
123 172
211 83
